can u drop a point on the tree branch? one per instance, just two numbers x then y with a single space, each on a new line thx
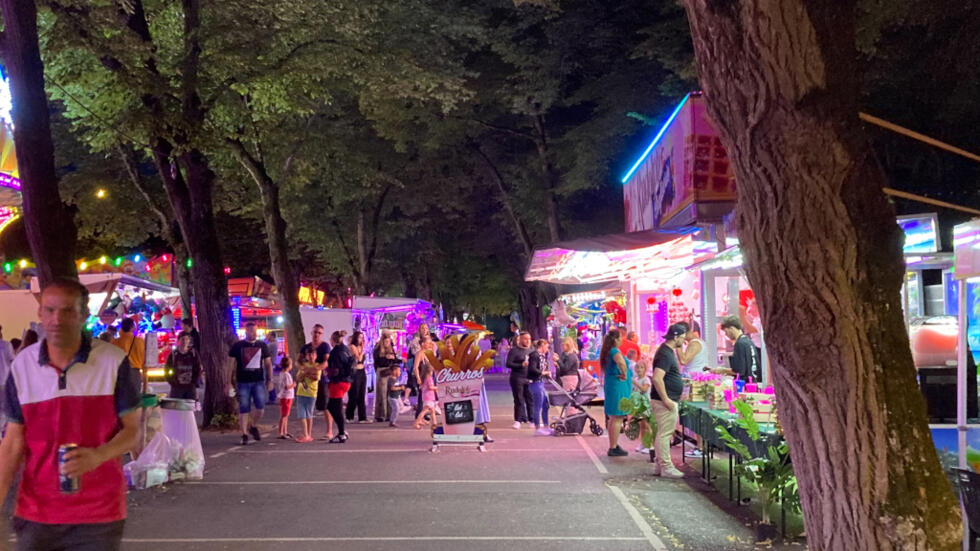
192 59
375 221
519 227
498 128
351 261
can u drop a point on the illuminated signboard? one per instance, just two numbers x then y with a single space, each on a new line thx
921 233
7 215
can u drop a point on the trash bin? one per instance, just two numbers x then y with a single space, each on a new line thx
180 426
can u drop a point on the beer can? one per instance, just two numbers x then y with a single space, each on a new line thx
66 484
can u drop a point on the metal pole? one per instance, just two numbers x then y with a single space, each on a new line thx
708 329
961 374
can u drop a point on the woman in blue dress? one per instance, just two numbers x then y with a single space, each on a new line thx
616 386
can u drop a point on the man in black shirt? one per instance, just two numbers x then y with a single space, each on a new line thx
665 391
745 359
519 384
253 372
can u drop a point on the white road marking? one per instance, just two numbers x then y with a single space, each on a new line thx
382 538
648 534
595 459
219 454
385 482
490 449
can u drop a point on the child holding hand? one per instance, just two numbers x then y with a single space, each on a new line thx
641 384
429 402
395 389
285 390
308 381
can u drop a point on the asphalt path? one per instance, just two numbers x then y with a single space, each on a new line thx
384 489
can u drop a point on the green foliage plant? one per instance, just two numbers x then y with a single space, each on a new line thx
637 407
772 473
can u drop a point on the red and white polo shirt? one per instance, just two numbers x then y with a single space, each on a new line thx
80 405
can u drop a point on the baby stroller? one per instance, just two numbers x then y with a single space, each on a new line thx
573 414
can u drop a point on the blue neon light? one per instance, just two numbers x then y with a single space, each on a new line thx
655 139
236 318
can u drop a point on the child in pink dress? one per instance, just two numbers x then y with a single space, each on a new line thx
429 402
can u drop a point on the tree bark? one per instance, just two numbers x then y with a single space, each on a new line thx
824 256
532 297
49 223
287 282
191 200
550 177
362 254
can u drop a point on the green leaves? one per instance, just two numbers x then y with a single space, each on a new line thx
773 472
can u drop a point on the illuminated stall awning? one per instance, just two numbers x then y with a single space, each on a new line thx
616 257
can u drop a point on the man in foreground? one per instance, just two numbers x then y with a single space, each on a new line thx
68 390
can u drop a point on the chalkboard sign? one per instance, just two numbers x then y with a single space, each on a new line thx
459 412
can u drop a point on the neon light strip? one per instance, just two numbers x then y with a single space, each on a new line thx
655 139
6 180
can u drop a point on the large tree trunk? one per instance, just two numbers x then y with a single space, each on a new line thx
823 254
287 282
49 223
191 200
531 298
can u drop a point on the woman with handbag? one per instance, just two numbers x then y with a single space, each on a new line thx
384 360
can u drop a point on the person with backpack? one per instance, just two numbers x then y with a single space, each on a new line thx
183 369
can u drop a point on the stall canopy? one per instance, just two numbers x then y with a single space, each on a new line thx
616 257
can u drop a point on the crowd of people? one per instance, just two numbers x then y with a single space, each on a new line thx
328 372
626 370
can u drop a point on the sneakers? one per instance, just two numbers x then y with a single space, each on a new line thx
617 452
244 439
516 425
641 449
694 454
254 431
543 431
656 469
671 472
393 424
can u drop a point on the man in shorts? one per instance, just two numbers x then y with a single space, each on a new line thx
68 389
253 371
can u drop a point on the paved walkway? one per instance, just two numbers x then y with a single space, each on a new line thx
384 490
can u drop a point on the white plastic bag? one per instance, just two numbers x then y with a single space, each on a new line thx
152 467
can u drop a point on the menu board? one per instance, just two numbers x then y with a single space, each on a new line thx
459 412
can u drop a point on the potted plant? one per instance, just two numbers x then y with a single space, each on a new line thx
638 409
772 473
